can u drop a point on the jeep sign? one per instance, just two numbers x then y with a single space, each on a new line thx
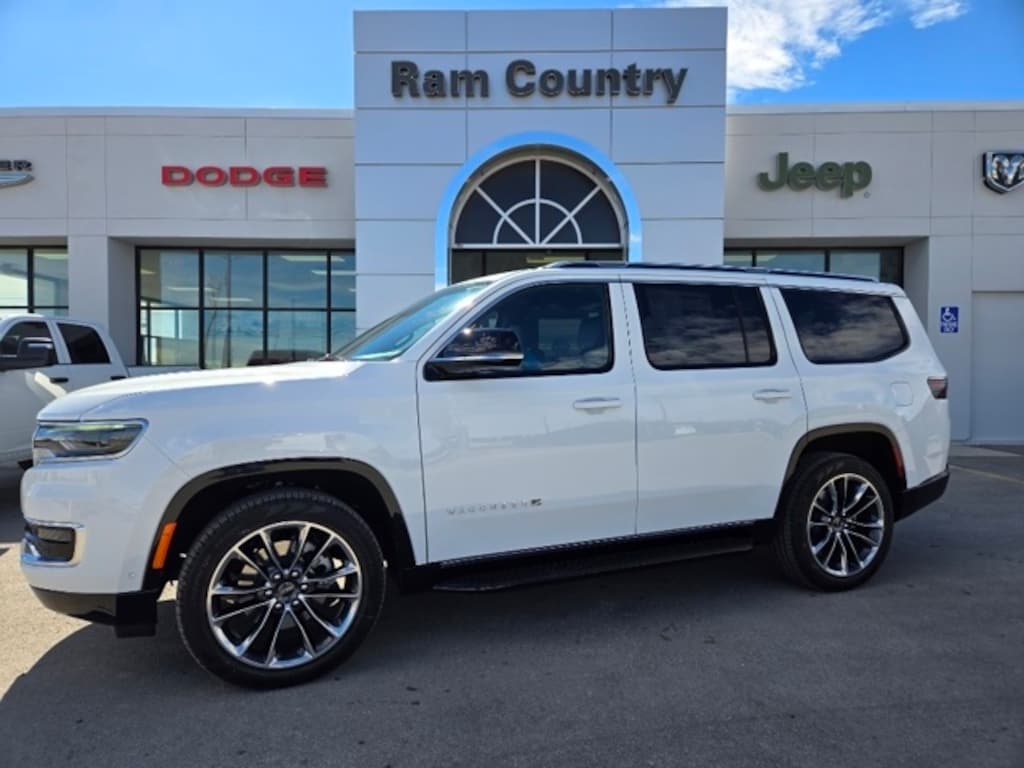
847 177
244 176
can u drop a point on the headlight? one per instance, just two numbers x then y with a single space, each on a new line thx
84 440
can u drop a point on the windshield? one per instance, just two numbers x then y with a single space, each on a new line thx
391 338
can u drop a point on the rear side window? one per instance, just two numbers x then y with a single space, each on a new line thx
836 327
703 326
84 345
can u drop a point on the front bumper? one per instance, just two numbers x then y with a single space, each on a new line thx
130 613
112 507
922 495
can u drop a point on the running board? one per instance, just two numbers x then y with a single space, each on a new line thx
572 562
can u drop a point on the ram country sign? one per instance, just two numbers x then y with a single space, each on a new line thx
846 177
522 79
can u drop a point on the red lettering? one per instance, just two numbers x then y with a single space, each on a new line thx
175 176
211 176
312 176
243 176
279 176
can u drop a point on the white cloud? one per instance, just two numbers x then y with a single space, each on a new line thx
774 44
924 13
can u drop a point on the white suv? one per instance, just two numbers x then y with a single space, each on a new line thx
514 428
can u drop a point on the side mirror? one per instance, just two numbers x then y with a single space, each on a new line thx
477 351
32 353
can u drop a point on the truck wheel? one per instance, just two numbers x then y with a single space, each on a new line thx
281 587
835 522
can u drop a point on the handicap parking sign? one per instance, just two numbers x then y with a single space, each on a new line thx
949 320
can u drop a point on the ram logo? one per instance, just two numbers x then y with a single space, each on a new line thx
15 172
1004 170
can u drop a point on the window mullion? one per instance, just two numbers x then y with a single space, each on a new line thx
536 202
30 276
202 308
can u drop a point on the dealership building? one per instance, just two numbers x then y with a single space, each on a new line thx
486 141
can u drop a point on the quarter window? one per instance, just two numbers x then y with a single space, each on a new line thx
84 345
703 326
836 327
564 328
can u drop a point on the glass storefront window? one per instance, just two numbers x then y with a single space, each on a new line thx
233 278
296 280
343 328
343 281
169 278
50 277
34 280
884 264
14 278
810 261
256 307
169 336
232 337
739 259
296 335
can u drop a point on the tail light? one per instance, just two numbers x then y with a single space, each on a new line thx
939 385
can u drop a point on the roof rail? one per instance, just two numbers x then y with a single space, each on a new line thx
728 268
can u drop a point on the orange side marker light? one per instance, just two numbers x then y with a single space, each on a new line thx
163 546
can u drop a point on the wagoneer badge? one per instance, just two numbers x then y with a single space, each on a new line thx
1003 170
15 172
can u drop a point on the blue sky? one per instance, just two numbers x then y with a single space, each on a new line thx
274 53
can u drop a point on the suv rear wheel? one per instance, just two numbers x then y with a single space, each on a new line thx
836 521
279 588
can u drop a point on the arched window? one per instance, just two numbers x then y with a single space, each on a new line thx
530 210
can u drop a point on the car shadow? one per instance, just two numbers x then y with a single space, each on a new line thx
92 681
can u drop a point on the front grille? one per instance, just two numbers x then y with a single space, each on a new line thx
52 543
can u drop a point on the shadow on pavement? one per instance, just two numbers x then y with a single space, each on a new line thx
125 701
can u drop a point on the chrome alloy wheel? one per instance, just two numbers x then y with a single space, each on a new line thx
846 525
284 595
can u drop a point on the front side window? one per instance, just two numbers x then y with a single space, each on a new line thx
703 326
563 328
835 327
392 337
84 345
12 340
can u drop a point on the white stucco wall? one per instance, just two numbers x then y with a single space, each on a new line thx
408 150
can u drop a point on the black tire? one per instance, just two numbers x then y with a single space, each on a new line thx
235 525
792 542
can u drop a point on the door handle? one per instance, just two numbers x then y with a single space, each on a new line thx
771 395
116 378
597 403
58 379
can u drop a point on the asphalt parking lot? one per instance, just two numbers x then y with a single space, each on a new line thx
707 663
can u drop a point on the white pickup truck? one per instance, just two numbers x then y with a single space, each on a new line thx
41 359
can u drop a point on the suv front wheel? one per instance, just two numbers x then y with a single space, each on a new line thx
835 523
279 588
